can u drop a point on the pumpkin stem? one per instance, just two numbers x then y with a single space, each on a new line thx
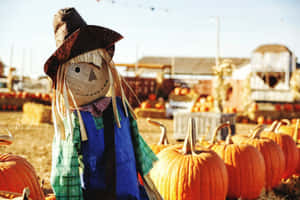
25 194
228 138
189 142
6 139
273 126
278 126
285 121
295 136
214 138
256 131
163 136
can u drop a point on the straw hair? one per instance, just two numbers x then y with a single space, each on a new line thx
61 105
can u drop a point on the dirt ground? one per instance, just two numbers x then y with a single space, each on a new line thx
33 142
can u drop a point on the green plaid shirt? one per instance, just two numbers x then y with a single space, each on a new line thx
143 154
65 178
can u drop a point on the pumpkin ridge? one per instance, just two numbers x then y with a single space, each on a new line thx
35 177
26 183
17 178
271 178
236 157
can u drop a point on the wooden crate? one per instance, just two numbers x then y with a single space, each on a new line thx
202 121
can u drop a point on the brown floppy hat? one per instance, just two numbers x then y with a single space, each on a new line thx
74 37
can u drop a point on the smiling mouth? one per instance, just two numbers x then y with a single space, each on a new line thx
96 92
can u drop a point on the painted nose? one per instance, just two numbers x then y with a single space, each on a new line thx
92 76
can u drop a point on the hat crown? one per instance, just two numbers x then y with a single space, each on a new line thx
66 21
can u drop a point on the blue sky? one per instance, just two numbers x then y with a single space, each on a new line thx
151 27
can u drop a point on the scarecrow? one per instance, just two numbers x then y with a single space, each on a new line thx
97 150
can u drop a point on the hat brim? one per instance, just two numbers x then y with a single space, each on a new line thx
81 41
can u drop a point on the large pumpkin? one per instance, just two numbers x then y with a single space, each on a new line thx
245 166
287 145
163 141
16 173
190 173
272 153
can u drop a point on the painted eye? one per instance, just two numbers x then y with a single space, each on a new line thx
77 69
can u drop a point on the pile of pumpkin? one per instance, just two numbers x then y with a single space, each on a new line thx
241 167
26 95
15 100
206 104
183 94
153 103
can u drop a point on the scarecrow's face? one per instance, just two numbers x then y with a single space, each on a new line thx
87 82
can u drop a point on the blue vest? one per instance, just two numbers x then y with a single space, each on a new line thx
93 176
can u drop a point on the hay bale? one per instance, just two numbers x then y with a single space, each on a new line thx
34 113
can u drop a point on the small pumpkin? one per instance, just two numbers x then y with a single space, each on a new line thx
145 105
287 145
163 141
6 139
189 172
245 166
152 97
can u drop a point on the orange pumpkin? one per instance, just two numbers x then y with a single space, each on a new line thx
152 97
254 107
209 99
163 141
204 108
184 91
245 166
16 173
177 90
261 120
288 107
297 107
272 153
46 97
186 172
232 110
145 105
287 145
159 106
6 139
277 107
